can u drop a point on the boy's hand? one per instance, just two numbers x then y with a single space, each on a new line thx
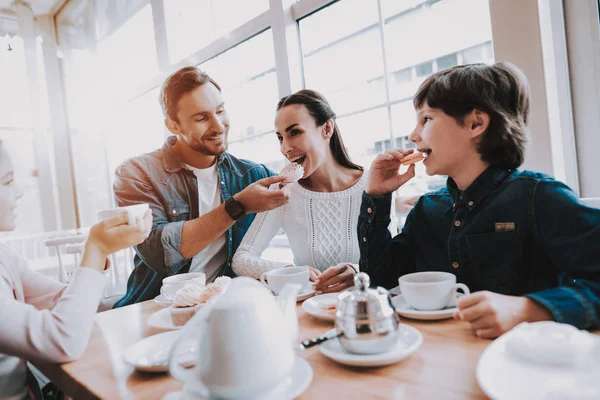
383 176
111 235
258 198
492 314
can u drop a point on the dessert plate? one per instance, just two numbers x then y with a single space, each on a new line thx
402 308
151 354
504 374
162 319
316 306
409 341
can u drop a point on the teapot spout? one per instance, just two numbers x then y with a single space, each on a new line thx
287 303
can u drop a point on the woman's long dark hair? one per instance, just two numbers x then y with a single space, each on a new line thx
321 111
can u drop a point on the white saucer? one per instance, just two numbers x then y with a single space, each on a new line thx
151 354
502 375
301 378
162 300
306 293
162 319
409 341
315 306
402 308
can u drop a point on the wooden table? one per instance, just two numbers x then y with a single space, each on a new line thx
444 366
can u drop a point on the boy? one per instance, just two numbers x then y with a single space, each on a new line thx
521 241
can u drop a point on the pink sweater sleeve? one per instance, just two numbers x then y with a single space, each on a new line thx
55 321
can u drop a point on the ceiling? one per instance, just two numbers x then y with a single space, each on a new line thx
39 7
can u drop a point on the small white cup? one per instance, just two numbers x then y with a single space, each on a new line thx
277 278
172 284
137 210
431 290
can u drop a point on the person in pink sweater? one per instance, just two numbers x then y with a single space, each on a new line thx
43 319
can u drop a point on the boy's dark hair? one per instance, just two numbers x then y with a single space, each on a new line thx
500 90
179 83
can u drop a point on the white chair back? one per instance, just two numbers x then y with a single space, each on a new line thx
59 243
591 202
49 260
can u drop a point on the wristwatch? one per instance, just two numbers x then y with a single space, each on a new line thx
234 208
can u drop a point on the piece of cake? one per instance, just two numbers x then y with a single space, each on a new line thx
214 289
293 172
187 301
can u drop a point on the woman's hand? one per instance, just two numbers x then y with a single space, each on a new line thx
314 274
335 279
111 235
383 175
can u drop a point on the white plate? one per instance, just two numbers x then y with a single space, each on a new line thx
410 339
301 378
402 308
306 293
502 375
162 319
315 306
151 354
162 300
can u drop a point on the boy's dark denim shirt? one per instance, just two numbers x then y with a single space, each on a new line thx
161 179
511 232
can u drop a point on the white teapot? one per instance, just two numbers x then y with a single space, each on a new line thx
246 343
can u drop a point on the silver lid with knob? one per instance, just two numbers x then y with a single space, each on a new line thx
366 319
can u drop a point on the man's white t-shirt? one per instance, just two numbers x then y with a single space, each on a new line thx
214 256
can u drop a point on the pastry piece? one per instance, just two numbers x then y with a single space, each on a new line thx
293 172
181 315
214 289
330 308
187 301
412 158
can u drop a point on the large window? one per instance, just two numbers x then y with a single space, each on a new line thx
193 24
250 95
18 130
348 63
110 56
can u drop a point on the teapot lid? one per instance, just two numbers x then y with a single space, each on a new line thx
364 303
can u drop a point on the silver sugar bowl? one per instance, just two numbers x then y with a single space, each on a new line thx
365 318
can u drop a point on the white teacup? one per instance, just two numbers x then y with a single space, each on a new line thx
172 284
431 290
277 278
133 212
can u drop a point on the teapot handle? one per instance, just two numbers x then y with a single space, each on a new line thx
197 324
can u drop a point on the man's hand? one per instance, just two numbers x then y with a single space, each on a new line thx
492 314
383 176
335 279
258 198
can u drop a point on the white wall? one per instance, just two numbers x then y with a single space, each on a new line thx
583 40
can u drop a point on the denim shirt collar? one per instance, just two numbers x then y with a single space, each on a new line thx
173 163
480 188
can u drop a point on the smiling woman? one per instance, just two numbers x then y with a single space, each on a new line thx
321 216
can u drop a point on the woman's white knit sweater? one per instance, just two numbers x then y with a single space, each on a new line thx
320 226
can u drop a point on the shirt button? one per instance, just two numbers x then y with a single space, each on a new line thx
455 265
369 210
174 212
364 239
471 204
457 223
453 205
223 183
